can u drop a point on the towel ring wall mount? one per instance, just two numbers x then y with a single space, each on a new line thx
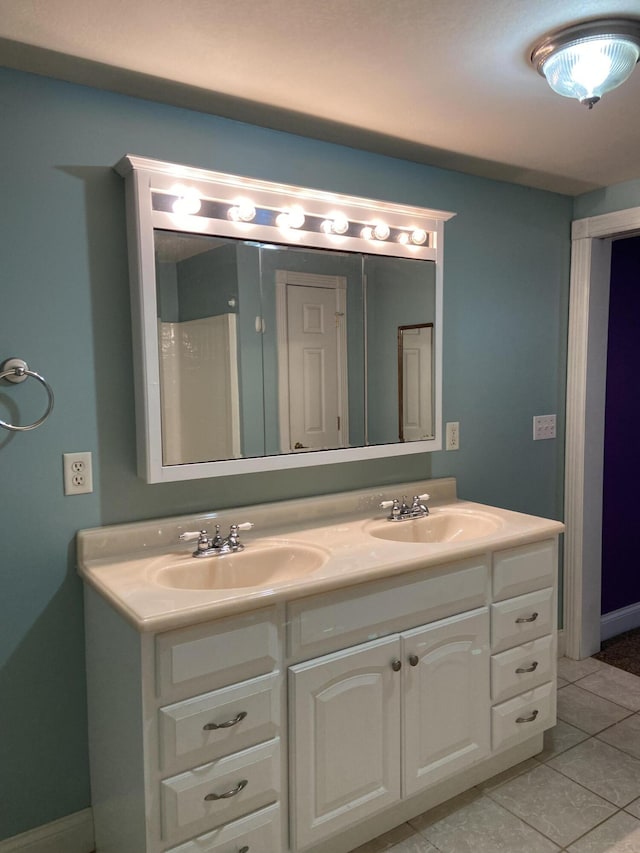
17 370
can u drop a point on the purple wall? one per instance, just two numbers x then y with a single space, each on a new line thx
621 510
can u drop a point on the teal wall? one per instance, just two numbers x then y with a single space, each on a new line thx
607 200
64 307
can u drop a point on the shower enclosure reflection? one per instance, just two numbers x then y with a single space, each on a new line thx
266 349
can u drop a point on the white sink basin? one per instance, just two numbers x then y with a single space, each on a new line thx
440 526
259 565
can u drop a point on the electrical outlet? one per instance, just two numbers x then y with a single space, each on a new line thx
453 436
78 477
544 426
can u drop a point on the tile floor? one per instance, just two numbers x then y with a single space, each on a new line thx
580 795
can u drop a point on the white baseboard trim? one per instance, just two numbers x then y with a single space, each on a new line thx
71 834
619 621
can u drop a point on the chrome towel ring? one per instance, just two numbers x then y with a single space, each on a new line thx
17 370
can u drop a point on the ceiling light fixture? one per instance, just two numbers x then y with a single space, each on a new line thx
586 60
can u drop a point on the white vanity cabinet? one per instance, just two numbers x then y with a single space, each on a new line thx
317 722
185 734
382 720
523 642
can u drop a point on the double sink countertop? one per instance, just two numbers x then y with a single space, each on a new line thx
296 548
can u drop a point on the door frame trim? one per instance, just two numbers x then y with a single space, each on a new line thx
591 240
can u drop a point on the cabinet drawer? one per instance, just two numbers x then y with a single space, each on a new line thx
519 620
218 723
258 833
254 774
214 654
522 668
524 569
325 623
522 717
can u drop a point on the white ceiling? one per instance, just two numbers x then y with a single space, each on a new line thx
446 82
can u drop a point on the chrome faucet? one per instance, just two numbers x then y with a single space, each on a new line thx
404 511
216 546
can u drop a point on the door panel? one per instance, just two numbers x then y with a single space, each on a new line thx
345 717
446 698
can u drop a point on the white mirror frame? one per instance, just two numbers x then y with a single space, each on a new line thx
145 177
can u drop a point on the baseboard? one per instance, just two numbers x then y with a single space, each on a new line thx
71 834
619 621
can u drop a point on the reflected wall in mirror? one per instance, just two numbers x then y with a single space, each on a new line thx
257 354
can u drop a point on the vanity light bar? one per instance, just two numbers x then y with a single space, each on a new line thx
187 201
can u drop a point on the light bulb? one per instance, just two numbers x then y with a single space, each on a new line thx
418 236
187 202
340 224
243 210
403 238
296 216
381 231
367 233
291 217
337 223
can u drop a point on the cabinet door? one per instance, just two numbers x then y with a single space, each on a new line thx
446 717
345 738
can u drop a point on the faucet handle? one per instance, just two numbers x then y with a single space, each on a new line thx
387 504
233 540
189 535
418 498
204 543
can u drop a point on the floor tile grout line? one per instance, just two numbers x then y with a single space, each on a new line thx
519 817
593 734
584 834
616 807
600 696
604 742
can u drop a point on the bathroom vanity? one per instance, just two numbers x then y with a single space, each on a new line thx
339 676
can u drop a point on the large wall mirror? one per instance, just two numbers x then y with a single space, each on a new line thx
278 327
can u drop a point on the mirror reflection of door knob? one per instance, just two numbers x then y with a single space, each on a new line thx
300 446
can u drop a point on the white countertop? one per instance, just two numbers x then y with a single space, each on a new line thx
121 561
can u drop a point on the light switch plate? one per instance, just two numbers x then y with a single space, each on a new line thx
544 426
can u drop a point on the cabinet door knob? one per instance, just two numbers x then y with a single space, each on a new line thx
239 787
531 668
244 849
226 725
396 665
531 618
528 719
414 660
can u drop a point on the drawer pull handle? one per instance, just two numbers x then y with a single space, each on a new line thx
531 668
244 849
531 618
226 725
239 787
396 665
528 719
414 660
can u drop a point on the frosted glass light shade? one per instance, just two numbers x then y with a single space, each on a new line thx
587 60
588 69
